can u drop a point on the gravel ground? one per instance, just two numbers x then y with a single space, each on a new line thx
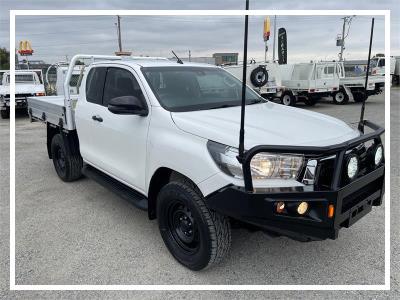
80 233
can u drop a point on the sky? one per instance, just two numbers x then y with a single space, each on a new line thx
309 37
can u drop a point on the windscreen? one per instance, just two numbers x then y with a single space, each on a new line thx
196 88
22 78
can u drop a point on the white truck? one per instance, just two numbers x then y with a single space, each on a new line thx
164 136
262 77
27 83
307 82
352 85
378 65
395 69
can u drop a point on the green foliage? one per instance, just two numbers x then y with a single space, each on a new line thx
4 59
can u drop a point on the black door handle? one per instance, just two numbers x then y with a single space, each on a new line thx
97 118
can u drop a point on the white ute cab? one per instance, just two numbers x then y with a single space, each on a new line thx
164 135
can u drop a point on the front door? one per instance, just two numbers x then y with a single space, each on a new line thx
116 144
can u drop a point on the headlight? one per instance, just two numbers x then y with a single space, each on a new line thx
352 167
263 165
378 155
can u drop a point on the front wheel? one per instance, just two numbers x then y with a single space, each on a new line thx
196 236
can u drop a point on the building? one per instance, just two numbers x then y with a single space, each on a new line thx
226 58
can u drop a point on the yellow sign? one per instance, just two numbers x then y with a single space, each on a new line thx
25 48
267 29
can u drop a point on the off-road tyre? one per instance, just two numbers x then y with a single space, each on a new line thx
211 231
259 77
340 97
68 166
5 114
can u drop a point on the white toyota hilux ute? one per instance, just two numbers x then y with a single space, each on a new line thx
164 136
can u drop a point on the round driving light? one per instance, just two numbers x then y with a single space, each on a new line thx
352 167
302 208
378 155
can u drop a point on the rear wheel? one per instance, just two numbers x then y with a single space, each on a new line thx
340 97
359 96
196 236
5 114
288 99
68 166
310 101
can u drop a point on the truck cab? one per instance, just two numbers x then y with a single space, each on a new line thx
27 83
163 135
378 65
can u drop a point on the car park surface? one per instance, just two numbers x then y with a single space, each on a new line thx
81 233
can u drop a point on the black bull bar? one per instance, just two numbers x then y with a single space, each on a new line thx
351 200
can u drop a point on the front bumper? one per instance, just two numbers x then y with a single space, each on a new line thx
351 200
258 208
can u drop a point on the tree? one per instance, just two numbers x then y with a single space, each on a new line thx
4 59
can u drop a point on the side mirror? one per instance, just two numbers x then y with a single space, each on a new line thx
127 105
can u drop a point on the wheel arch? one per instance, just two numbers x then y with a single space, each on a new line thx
160 178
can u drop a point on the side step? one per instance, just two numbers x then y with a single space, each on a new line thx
115 186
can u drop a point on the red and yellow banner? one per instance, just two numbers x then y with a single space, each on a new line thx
267 29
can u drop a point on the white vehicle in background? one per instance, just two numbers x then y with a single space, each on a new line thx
377 65
27 83
307 82
55 82
262 77
352 85
395 69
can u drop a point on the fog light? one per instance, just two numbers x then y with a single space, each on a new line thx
378 155
352 167
302 208
280 207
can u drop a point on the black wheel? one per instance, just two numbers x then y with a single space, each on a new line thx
360 96
196 236
68 166
288 99
340 97
310 101
5 114
259 76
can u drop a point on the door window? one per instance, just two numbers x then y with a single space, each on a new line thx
95 85
120 82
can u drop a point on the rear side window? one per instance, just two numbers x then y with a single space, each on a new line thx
95 85
120 82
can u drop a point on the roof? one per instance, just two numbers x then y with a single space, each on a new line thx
153 62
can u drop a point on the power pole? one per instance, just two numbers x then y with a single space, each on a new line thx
346 20
273 45
119 33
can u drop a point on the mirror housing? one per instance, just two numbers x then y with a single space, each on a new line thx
128 105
